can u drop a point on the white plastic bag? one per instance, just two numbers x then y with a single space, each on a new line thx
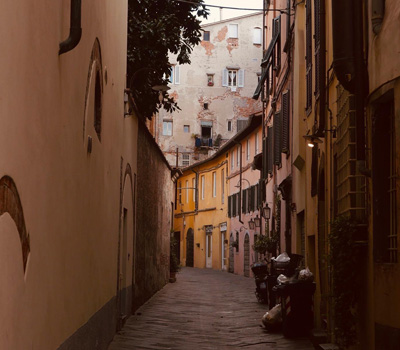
306 275
284 257
273 317
282 279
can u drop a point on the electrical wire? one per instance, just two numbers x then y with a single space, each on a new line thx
232 8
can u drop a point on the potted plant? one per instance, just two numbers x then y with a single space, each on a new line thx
173 260
265 243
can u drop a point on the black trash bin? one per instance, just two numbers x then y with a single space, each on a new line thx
297 303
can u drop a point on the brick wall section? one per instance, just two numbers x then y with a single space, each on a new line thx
155 194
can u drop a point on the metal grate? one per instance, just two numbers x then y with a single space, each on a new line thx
351 186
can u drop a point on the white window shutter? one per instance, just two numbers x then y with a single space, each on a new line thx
241 78
177 75
225 77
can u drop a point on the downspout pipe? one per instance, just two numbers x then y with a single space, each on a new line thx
75 30
378 11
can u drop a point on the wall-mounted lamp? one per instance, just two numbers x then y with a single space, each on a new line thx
312 140
161 89
266 212
252 224
257 221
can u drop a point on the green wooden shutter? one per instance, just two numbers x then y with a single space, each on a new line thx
270 150
285 121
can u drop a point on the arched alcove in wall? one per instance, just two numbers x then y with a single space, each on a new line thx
92 120
10 203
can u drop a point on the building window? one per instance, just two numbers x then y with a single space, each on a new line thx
222 186
232 160
238 157
180 192
248 149
186 128
167 127
214 181
187 191
185 159
276 31
308 56
257 36
203 185
174 77
206 35
233 31
194 189
256 144
229 125
205 105
210 79
233 77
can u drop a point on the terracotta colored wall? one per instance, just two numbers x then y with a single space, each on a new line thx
70 199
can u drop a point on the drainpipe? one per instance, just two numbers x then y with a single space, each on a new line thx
378 11
75 30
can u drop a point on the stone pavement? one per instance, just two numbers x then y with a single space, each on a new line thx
204 309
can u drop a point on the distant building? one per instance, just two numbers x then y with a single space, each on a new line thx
214 92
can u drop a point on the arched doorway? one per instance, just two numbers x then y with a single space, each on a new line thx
189 248
246 258
231 254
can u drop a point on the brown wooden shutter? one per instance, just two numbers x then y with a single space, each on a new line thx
285 121
276 31
270 150
277 138
317 38
308 55
264 159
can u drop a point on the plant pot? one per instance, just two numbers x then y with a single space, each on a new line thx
172 276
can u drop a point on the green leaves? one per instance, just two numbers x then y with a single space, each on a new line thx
155 28
345 262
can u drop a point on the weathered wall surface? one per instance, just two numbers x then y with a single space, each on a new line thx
192 90
154 215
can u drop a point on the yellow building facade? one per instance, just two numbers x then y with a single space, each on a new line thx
201 214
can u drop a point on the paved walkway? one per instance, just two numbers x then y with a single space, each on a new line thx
204 309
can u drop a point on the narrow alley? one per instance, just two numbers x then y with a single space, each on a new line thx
204 309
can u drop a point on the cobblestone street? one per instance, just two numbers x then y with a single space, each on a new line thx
204 309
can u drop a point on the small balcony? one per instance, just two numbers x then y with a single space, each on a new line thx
203 142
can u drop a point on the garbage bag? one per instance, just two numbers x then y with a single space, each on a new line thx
284 257
273 317
282 279
306 275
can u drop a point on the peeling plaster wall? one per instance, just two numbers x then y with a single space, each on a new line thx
223 104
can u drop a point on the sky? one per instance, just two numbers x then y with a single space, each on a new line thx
226 13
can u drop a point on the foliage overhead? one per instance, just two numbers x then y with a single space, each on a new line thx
155 28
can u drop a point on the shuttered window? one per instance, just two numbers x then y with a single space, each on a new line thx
244 201
314 171
317 38
277 138
285 121
230 206
270 150
265 158
308 56
276 30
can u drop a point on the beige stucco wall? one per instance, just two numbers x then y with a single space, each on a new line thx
70 198
192 91
384 48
